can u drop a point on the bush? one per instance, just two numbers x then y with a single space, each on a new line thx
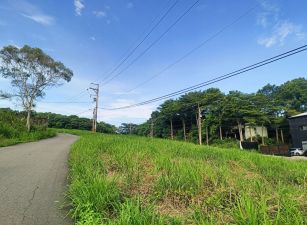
226 143
13 129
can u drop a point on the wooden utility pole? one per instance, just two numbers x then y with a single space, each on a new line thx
199 125
184 130
207 135
95 89
152 129
172 131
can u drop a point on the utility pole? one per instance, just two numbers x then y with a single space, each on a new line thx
152 129
207 135
199 125
95 89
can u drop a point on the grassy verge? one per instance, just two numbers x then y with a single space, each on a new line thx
134 180
24 137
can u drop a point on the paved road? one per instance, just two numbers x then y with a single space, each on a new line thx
33 178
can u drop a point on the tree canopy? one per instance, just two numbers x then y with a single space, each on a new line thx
225 114
31 71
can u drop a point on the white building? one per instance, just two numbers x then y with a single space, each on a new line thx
255 131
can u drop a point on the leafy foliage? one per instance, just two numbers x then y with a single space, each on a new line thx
13 131
224 114
31 71
74 122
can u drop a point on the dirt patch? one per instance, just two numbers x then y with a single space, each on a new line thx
173 206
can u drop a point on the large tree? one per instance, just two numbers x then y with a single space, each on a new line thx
169 109
31 71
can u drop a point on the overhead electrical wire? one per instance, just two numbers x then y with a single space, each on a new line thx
141 42
152 44
177 61
83 112
130 53
219 78
61 102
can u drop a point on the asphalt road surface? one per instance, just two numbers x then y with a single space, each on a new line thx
33 178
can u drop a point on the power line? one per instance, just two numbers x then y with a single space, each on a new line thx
219 78
177 61
142 41
125 58
152 44
66 102
83 112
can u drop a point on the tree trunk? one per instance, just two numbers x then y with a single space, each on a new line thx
282 136
172 132
277 138
240 131
28 120
207 135
151 129
184 131
262 136
221 133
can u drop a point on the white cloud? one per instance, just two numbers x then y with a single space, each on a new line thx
267 42
40 18
99 14
32 12
281 32
130 5
93 38
79 6
268 15
277 29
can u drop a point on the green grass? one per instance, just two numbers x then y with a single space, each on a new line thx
23 137
133 180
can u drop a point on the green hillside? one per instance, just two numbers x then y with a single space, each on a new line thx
135 180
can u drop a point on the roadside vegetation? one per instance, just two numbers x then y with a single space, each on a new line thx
118 179
14 131
219 117
74 122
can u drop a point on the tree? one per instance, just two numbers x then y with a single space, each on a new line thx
293 95
31 71
193 100
127 128
169 109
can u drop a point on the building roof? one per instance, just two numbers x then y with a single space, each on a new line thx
299 115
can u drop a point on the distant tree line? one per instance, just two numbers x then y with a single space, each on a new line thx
52 120
213 115
75 122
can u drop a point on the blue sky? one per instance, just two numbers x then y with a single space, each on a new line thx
91 36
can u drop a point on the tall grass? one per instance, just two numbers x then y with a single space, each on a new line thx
135 180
